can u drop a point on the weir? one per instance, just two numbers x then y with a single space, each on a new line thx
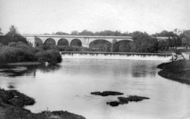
117 55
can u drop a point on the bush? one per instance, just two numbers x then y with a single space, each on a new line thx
13 54
17 49
21 52
50 56
144 43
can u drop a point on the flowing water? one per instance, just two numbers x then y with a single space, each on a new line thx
68 87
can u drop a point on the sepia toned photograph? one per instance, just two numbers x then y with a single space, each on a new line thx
94 59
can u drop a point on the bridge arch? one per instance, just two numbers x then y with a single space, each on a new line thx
38 42
50 42
63 42
123 46
100 45
76 43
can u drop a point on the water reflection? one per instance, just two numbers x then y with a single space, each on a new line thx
48 68
143 70
14 71
137 69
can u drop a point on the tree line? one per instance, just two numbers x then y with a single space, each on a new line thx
90 33
142 41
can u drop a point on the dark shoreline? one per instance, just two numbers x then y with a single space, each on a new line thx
12 105
177 71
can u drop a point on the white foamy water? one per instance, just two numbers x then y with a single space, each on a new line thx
129 57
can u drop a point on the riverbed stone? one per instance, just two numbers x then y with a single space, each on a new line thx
126 100
106 93
113 103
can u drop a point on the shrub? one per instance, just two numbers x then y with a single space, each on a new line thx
13 54
21 52
50 56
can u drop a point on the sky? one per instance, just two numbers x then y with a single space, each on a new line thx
48 16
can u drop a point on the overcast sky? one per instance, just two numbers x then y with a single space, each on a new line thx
47 16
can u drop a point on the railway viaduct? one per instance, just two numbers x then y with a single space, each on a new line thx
73 40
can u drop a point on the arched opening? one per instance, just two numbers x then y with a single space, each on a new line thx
38 42
123 46
50 42
76 43
63 42
100 45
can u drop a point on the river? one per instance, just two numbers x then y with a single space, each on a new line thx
68 87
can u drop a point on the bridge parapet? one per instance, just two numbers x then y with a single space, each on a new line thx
76 36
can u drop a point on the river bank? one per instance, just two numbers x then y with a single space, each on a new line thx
12 105
178 71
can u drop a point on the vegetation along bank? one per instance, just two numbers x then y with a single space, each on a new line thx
15 48
176 70
12 105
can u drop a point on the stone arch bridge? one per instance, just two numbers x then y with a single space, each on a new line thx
68 40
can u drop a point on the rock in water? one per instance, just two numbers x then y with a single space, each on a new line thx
113 103
106 93
126 100
136 98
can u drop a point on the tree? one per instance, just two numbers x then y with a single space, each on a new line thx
108 33
12 32
74 33
173 41
100 33
0 32
185 36
86 32
38 42
13 36
61 33
144 43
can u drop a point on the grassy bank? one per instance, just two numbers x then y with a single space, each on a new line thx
12 103
178 71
